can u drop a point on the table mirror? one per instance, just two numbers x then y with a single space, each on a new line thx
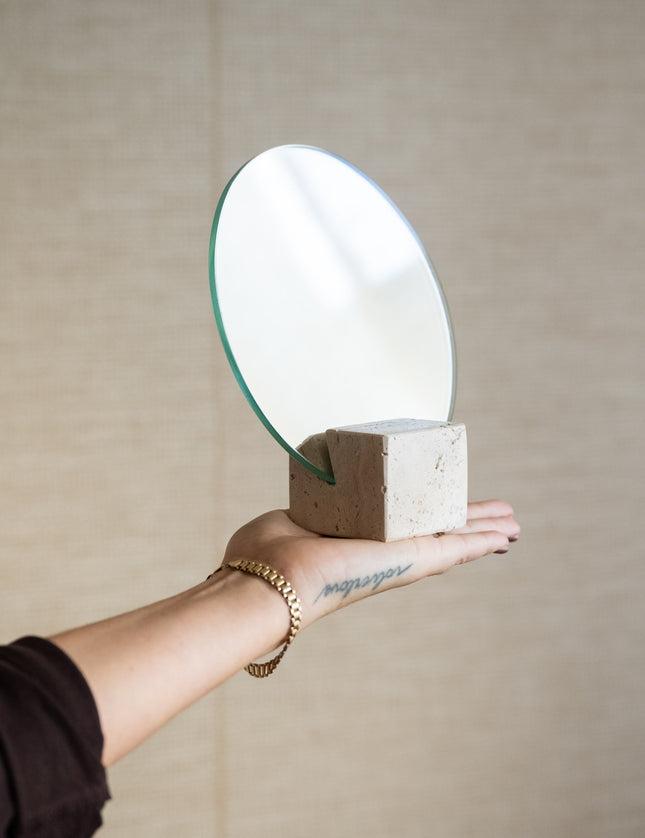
327 304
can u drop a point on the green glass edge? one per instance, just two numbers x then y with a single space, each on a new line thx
329 478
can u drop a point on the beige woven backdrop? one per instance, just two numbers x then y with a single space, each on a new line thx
502 700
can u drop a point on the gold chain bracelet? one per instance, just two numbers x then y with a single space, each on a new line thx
262 670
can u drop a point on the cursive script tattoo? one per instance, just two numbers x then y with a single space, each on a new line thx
374 581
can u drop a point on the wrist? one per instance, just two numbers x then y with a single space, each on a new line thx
250 601
271 577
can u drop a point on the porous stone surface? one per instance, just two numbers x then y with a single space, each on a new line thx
394 479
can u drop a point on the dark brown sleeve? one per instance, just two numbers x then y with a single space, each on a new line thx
52 781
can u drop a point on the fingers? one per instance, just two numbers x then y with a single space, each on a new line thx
506 525
460 547
489 509
491 515
490 528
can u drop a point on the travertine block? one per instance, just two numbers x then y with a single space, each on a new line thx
394 479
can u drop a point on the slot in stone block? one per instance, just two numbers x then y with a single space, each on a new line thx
394 479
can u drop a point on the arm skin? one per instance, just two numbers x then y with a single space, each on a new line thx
146 666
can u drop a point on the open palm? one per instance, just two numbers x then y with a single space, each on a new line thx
329 573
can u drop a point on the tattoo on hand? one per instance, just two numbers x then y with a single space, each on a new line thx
374 581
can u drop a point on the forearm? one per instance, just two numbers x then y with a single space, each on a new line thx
146 666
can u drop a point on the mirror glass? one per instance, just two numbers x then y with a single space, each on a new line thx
328 307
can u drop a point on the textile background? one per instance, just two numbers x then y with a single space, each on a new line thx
502 700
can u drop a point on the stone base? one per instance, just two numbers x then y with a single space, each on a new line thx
394 479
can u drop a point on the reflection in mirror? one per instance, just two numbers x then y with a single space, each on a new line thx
328 307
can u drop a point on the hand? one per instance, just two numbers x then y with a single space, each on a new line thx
330 573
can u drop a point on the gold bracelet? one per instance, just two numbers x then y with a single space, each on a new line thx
262 670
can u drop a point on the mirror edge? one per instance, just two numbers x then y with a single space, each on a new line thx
292 452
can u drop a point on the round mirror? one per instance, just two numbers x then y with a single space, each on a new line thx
327 304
